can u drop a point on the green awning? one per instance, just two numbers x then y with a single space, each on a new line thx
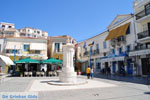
52 61
27 60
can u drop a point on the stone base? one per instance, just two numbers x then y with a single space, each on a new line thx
59 83
68 77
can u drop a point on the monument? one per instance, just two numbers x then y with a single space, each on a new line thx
68 76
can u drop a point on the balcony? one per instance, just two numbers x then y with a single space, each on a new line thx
143 36
93 53
142 14
139 2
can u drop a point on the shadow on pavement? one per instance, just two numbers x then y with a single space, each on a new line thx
131 79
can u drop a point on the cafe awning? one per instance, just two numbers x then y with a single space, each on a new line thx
27 60
52 61
120 31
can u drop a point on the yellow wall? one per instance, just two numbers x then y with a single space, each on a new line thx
56 55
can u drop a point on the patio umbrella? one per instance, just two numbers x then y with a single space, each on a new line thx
52 61
27 60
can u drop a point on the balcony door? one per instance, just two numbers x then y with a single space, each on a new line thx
147 9
149 26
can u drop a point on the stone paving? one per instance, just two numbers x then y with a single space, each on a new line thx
122 90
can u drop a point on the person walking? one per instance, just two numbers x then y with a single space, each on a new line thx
88 72
91 72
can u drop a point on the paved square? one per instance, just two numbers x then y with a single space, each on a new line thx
98 89
42 85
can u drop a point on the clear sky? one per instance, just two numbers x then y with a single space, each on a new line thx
80 19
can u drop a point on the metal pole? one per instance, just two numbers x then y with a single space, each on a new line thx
14 53
90 58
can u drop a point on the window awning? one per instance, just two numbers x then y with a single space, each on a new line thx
6 60
120 31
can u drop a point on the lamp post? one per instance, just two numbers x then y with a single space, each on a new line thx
14 52
90 57
90 45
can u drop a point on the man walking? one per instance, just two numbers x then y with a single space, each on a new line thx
88 72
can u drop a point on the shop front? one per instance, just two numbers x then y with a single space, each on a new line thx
141 61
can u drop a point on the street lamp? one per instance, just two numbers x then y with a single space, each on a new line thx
90 45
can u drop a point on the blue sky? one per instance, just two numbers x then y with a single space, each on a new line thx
80 19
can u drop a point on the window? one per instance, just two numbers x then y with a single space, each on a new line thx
63 43
104 45
97 48
42 34
28 30
147 9
57 47
28 35
128 48
128 30
120 50
38 32
3 25
34 35
26 47
113 51
98 65
104 54
91 48
11 51
9 27
37 51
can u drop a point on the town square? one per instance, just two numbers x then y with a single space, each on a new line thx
75 50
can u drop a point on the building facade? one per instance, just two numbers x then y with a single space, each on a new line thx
55 45
90 51
20 47
121 38
8 30
141 52
32 32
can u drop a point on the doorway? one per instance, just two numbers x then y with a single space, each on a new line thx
145 66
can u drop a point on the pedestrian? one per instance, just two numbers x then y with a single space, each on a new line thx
108 71
88 72
91 72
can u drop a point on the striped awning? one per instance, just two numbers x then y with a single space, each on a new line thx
120 31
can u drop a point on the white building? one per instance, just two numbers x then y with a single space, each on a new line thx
93 48
8 30
32 32
141 53
22 47
121 38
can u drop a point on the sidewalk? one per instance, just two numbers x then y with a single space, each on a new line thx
132 79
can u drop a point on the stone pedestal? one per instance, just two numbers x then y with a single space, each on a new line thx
68 75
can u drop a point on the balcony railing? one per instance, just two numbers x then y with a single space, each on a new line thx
144 34
93 53
142 14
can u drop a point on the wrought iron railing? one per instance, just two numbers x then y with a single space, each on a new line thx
142 14
144 34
